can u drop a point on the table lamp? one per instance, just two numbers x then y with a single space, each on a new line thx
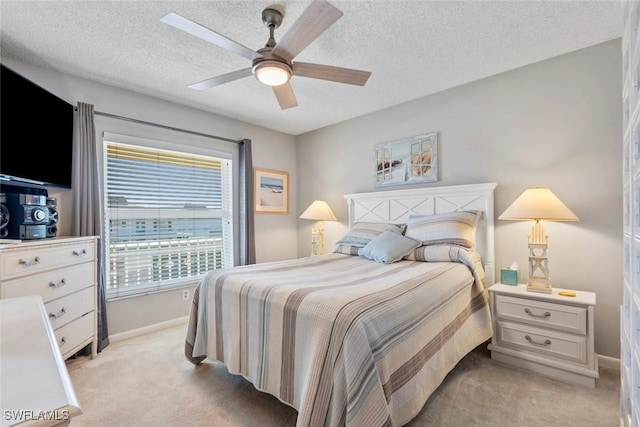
318 211
538 204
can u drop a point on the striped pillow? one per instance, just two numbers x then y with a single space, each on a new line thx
362 233
452 253
347 249
452 228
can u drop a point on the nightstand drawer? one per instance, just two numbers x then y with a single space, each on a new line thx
550 343
557 316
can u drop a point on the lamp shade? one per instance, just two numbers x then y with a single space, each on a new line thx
319 210
538 204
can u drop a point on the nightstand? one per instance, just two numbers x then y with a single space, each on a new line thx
546 333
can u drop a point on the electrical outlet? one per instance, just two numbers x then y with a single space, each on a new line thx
185 294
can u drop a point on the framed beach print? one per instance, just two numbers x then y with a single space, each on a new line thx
271 189
410 160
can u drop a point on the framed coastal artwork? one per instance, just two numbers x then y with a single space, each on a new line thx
271 189
410 160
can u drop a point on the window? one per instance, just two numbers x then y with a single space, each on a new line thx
383 164
168 217
421 157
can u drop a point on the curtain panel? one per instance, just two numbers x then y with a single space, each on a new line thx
87 216
247 224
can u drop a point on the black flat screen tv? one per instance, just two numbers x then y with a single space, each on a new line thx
36 134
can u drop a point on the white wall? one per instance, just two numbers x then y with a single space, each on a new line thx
271 150
557 123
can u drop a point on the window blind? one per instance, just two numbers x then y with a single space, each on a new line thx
169 217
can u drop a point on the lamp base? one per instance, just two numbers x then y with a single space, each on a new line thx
317 240
538 261
542 287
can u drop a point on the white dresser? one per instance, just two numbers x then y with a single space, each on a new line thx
550 334
63 272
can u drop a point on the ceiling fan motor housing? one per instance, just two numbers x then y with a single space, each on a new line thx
271 18
271 69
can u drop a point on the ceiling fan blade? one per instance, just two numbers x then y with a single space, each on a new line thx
285 95
195 29
224 78
315 20
328 72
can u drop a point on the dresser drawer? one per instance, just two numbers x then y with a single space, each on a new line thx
543 341
51 284
70 307
70 336
557 316
41 258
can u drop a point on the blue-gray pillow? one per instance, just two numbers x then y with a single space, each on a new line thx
389 247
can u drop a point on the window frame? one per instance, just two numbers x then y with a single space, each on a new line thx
184 143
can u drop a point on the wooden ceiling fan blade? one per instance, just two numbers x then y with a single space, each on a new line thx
286 97
328 72
204 33
315 20
224 78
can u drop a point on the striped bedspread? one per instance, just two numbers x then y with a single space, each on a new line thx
344 340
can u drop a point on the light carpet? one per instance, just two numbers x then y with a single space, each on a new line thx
147 381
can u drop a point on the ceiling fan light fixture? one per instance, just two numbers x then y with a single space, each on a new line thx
272 73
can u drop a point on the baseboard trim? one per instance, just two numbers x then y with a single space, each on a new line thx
147 329
608 362
603 361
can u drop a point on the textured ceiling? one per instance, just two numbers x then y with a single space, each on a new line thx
412 48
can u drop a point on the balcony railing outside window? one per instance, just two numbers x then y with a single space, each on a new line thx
167 218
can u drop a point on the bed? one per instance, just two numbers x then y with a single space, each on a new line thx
353 337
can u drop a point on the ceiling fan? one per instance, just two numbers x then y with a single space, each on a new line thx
273 64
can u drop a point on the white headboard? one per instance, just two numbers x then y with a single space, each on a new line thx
395 206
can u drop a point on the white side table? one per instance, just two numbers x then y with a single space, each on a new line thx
549 334
34 382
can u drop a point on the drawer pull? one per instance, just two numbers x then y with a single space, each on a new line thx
59 284
63 341
26 263
58 315
544 316
531 341
78 253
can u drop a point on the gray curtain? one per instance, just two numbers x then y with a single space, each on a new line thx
247 227
87 217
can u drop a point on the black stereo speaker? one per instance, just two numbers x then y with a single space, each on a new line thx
4 217
28 216
52 227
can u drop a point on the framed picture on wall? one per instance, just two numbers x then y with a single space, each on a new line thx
410 160
271 190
